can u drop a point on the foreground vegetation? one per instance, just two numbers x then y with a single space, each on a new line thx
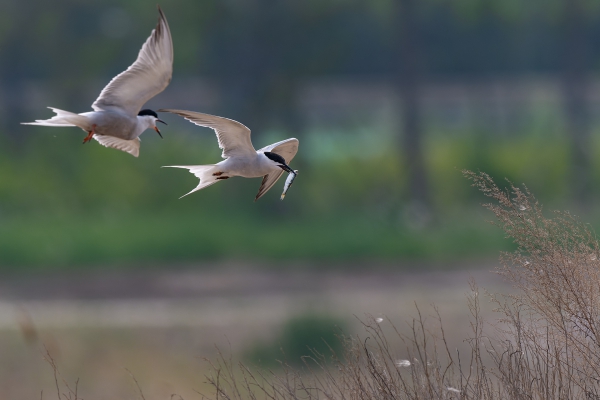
546 345
543 345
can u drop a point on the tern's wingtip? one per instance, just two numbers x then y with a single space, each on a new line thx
161 17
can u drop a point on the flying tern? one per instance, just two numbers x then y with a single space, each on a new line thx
118 120
241 159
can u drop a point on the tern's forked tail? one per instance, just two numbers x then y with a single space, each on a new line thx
206 173
63 118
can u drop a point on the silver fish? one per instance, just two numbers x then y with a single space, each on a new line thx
288 183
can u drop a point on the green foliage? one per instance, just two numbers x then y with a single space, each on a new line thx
301 336
118 240
67 205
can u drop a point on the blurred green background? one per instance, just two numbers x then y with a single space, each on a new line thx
103 266
390 99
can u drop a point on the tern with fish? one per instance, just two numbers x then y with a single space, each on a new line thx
241 159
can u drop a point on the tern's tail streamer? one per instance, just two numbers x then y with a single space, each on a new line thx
63 118
204 172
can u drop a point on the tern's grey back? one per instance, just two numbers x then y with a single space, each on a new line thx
113 123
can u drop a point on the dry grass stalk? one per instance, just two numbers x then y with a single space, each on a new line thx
70 393
137 385
369 369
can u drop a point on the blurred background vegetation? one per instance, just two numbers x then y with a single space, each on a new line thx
390 100
104 265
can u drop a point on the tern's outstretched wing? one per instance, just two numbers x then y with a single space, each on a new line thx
267 183
129 146
233 137
287 149
145 78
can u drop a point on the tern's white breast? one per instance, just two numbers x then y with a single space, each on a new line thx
248 167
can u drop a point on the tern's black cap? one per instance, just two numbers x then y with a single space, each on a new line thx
148 112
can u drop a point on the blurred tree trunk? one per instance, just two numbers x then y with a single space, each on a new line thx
13 99
408 87
575 84
245 78
13 113
259 89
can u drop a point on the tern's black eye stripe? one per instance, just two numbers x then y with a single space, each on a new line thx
275 157
148 112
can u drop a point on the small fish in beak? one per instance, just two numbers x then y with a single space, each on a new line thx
288 182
